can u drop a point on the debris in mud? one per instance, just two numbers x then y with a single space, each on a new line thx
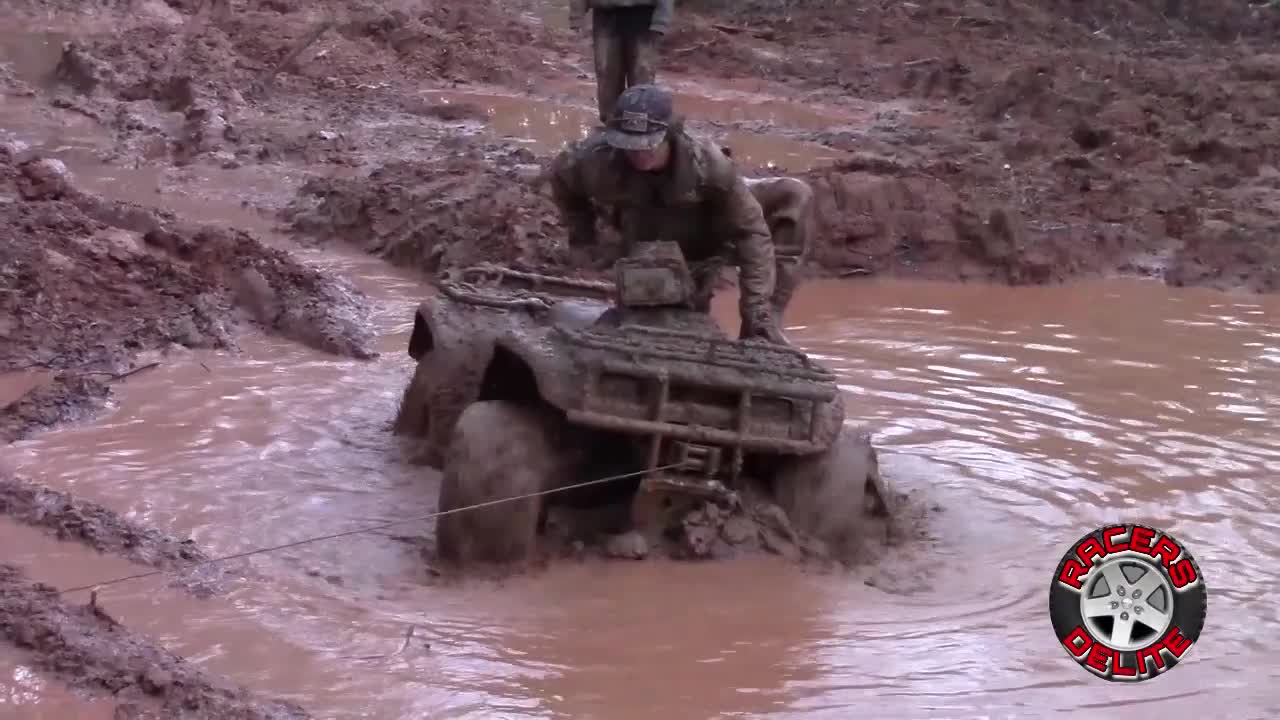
709 531
65 398
90 650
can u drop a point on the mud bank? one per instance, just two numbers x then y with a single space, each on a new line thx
84 646
91 284
458 211
1115 138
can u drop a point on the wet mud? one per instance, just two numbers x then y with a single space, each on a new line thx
98 527
144 282
87 648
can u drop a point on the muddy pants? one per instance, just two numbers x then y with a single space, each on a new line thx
625 52
787 204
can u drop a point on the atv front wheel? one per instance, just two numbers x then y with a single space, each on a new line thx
498 450
838 496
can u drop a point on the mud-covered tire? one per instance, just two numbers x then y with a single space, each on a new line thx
497 450
838 496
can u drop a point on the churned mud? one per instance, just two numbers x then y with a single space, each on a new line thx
711 531
87 648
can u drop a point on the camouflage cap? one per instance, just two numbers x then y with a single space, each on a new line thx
640 118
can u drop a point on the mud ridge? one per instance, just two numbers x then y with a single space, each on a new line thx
88 649
70 518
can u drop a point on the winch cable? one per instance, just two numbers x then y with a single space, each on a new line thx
371 528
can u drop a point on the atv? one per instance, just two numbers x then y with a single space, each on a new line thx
527 383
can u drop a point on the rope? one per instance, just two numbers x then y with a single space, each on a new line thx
371 528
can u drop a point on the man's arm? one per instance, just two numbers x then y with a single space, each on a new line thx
663 11
576 210
744 222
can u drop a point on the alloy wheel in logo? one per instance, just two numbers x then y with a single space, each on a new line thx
1127 602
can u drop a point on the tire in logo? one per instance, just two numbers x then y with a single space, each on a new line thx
1127 602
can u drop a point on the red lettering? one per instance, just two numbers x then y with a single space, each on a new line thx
1176 643
1152 652
1183 573
1141 540
1113 532
1078 642
1167 549
1119 669
1072 570
1099 656
1090 548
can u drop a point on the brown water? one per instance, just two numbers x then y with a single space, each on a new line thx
26 695
546 125
1040 412
1029 415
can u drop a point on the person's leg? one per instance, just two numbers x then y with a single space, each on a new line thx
610 62
642 49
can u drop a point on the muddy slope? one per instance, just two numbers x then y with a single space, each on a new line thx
84 646
90 284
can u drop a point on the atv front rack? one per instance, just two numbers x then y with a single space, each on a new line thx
497 286
701 395
645 342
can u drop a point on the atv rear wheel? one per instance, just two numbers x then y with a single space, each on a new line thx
838 496
498 450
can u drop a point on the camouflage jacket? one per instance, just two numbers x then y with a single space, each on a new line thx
702 203
663 10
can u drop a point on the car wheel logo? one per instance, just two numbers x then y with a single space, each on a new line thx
1127 602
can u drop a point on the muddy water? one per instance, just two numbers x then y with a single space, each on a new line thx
1029 415
546 125
26 695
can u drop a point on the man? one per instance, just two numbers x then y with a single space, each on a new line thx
656 182
624 38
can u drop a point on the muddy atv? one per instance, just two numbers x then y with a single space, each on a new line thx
526 383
